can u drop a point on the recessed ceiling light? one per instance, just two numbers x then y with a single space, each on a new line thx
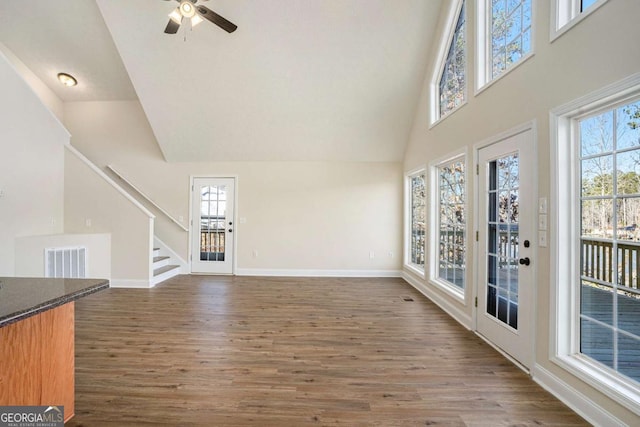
67 79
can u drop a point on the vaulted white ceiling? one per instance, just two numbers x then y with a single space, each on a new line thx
66 36
312 80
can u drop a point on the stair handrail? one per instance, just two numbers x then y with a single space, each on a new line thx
110 181
147 198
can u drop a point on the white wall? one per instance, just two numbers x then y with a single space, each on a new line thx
299 216
46 95
31 166
600 50
92 205
30 260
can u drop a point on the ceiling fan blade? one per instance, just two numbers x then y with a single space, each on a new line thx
221 22
172 27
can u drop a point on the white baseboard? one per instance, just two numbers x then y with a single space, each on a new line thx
125 283
452 310
578 402
165 276
317 273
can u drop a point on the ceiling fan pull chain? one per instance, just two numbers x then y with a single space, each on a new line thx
187 30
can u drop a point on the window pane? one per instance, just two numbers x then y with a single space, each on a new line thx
508 172
526 41
418 219
498 61
512 5
629 356
628 129
628 218
498 13
452 82
526 14
451 264
627 312
628 172
597 178
627 259
597 342
515 29
584 4
596 302
510 33
492 300
514 48
597 217
596 134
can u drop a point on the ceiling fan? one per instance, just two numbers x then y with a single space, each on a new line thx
188 9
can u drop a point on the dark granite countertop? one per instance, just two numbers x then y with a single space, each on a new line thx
22 297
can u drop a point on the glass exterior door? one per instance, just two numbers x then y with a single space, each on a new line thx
505 245
212 225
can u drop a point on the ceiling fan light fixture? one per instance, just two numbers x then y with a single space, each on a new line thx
187 9
176 16
67 79
195 15
195 20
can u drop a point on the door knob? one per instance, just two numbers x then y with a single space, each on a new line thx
524 261
230 231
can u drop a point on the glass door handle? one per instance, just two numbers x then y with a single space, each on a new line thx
524 261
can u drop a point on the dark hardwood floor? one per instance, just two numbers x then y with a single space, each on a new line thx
235 351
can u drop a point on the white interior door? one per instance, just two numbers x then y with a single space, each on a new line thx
506 245
212 225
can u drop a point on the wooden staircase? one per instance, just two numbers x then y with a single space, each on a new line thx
163 268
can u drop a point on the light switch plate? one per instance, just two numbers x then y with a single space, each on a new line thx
542 205
542 239
542 222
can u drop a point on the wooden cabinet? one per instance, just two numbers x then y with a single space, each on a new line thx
37 360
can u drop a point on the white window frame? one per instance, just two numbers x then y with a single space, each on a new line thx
565 252
414 268
484 78
453 13
434 224
565 14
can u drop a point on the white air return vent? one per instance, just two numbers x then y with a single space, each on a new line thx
65 262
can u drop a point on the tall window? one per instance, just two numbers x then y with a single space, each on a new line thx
452 84
450 220
504 36
567 13
417 217
610 238
510 33
596 250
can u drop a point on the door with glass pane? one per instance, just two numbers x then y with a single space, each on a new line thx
506 245
212 225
